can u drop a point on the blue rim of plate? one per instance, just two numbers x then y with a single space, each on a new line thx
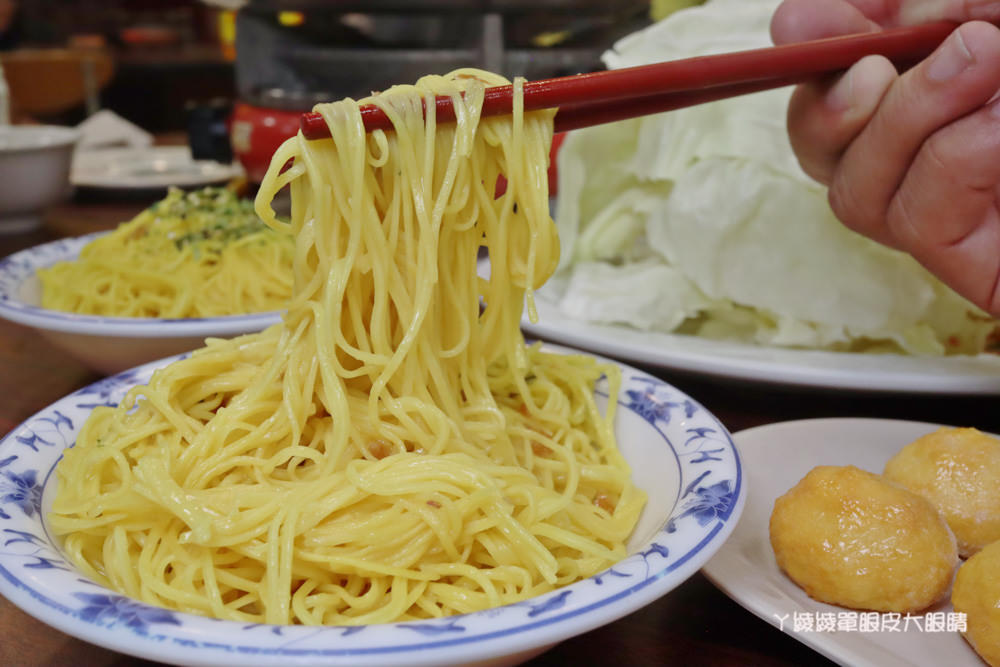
21 266
35 576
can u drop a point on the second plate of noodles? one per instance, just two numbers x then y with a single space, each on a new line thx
194 254
106 344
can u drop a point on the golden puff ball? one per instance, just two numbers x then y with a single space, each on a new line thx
850 538
977 595
958 470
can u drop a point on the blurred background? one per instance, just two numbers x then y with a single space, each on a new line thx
235 74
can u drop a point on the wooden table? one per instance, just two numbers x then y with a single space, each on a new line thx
694 625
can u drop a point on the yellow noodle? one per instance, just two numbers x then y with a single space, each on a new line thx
393 450
196 254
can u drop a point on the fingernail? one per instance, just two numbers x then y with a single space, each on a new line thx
994 105
841 95
950 59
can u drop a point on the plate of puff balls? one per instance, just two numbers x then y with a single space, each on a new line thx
873 541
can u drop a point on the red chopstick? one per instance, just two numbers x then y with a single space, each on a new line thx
602 97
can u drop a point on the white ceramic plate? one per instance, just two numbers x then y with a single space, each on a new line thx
772 365
108 344
775 458
146 168
680 454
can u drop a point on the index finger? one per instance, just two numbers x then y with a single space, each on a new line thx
960 77
803 20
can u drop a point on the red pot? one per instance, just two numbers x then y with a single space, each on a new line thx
255 132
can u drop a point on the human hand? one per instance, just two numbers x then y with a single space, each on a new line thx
911 160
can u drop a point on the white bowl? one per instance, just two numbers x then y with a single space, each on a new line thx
34 172
680 455
106 344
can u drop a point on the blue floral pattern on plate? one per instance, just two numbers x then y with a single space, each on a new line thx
679 452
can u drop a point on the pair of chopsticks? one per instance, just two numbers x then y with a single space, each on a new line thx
603 97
